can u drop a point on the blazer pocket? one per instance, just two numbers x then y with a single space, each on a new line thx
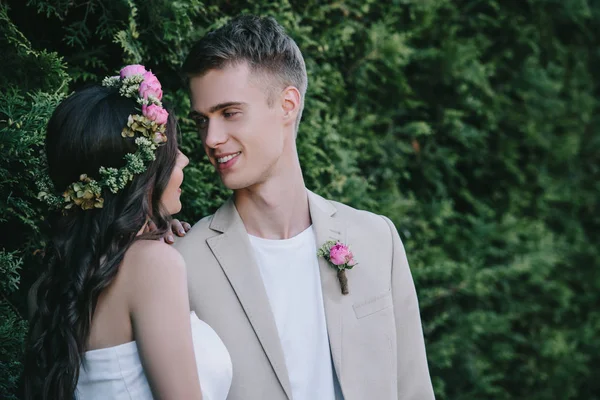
373 305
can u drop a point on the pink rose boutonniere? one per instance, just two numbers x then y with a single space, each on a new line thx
339 256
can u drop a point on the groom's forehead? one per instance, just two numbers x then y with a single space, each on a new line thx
224 86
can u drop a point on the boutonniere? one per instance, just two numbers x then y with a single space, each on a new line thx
339 256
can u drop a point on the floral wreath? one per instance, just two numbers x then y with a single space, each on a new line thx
133 81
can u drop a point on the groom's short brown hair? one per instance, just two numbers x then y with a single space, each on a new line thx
262 43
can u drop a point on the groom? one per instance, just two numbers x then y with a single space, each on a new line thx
253 270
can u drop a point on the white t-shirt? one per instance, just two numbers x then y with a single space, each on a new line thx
290 272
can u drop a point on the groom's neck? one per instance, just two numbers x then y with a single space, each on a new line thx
275 209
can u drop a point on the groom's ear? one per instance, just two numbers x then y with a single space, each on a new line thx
290 104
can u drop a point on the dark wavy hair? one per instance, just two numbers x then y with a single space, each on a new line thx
87 246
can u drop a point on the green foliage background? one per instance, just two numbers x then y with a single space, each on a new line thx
472 124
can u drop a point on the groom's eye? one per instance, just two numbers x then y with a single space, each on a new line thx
230 113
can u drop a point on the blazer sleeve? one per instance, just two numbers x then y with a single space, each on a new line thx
414 382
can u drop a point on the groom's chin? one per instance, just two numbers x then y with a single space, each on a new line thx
232 181
232 185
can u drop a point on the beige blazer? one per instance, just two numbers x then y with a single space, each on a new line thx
375 331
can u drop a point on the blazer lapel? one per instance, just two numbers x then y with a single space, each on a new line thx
328 228
233 251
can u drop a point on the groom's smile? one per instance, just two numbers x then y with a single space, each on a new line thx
226 161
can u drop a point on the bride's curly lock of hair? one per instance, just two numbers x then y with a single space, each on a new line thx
87 246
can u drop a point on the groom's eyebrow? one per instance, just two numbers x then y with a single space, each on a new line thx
195 114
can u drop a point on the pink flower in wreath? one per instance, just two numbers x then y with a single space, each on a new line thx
340 254
155 113
159 137
150 86
135 69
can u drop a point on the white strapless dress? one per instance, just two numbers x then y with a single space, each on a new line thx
116 372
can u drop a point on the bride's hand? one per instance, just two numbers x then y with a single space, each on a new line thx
179 228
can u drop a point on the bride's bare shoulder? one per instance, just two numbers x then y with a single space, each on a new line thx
152 258
153 276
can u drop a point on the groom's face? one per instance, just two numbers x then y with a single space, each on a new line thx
243 135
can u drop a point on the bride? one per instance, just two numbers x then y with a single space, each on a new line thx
112 318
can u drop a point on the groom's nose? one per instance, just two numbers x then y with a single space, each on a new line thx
216 134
